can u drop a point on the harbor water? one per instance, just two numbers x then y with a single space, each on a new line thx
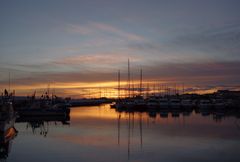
100 134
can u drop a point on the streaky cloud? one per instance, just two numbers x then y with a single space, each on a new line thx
94 28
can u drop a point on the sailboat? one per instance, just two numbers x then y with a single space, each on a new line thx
126 103
140 103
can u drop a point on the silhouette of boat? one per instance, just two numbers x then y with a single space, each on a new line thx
187 103
55 110
175 103
44 107
205 104
152 103
7 129
163 103
219 104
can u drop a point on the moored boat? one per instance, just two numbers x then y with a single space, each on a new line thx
55 110
163 103
175 103
187 103
205 104
152 103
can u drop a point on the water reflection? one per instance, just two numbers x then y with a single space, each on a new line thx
131 123
100 133
37 124
183 123
6 142
40 124
217 114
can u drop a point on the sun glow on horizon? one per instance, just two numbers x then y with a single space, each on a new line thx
110 89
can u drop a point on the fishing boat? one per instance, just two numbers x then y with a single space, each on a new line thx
45 106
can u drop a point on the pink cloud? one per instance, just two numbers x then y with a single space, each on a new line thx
109 28
79 29
98 59
96 27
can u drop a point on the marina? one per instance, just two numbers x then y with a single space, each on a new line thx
131 129
119 81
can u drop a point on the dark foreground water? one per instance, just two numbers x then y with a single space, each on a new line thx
102 134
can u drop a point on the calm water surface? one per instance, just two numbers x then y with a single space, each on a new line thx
102 134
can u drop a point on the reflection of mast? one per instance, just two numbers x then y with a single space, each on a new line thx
129 126
132 124
140 125
119 118
40 124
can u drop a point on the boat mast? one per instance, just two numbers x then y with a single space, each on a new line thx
129 84
133 90
140 86
119 84
183 89
9 82
48 88
147 90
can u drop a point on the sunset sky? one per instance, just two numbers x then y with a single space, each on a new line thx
79 43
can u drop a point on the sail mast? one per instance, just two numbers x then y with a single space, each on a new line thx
140 86
119 84
129 84
9 82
